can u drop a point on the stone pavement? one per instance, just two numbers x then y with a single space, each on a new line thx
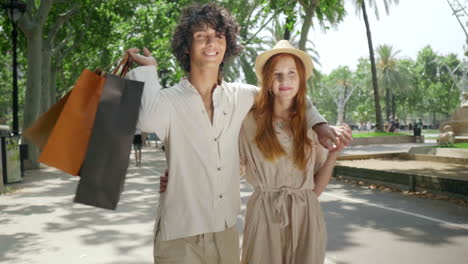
383 148
39 223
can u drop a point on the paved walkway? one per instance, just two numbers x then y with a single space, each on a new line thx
39 223
383 148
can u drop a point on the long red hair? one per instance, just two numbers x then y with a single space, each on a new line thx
263 111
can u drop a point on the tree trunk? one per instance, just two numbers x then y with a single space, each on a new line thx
378 109
340 107
46 81
309 9
345 102
53 85
32 98
32 23
287 32
309 13
341 113
393 107
388 104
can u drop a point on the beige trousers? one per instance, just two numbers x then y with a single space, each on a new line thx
209 248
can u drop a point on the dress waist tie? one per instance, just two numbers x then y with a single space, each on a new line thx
281 208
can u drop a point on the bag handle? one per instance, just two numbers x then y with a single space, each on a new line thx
123 66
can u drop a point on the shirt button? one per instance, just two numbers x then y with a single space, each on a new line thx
215 139
219 168
220 196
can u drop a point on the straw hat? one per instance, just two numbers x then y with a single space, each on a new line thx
283 46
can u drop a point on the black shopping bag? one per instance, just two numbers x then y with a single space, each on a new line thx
106 162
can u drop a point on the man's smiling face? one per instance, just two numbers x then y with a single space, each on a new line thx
207 48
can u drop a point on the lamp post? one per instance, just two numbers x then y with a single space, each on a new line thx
15 9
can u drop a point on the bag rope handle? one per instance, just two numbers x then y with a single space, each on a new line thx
123 64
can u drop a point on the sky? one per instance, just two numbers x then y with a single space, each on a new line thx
409 27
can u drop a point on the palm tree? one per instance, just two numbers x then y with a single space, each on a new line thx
278 30
341 85
361 7
391 76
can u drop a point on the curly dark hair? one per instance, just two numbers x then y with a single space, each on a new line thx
195 16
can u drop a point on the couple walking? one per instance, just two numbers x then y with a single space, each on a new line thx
212 128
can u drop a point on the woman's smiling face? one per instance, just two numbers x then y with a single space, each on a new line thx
286 79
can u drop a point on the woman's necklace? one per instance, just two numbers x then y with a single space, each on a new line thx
280 124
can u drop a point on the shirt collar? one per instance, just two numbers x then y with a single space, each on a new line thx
186 85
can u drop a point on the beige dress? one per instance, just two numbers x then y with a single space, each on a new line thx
284 223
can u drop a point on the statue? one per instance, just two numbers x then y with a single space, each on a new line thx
459 120
464 99
447 137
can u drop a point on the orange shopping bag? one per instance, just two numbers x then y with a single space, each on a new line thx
40 131
68 142
63 132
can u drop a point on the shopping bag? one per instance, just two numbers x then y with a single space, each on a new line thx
62 133
40 131
66 146
106 162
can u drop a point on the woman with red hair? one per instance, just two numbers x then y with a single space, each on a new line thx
285 164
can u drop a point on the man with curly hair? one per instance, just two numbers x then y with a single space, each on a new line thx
199 120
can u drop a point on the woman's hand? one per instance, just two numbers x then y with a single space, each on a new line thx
142 60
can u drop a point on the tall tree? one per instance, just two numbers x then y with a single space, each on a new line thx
340 85
435 90
362 7
32 24
276 33
53 42
361 104
253 17
328 12
392 77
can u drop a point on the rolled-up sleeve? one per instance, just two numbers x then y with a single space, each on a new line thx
154 113
312 115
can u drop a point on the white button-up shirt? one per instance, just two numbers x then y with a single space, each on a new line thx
203 193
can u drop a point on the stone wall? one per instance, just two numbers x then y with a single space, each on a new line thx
403 181
385 140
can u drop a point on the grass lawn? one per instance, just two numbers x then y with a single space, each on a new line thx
456 145
424 131
376 134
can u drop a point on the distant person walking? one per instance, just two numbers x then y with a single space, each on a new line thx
397 125
137 144
418 127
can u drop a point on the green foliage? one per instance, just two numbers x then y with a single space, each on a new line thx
6 74
330 13
102 30
422 89
456 145
322 98
394 79
361 104
434 92
128 24
376 134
